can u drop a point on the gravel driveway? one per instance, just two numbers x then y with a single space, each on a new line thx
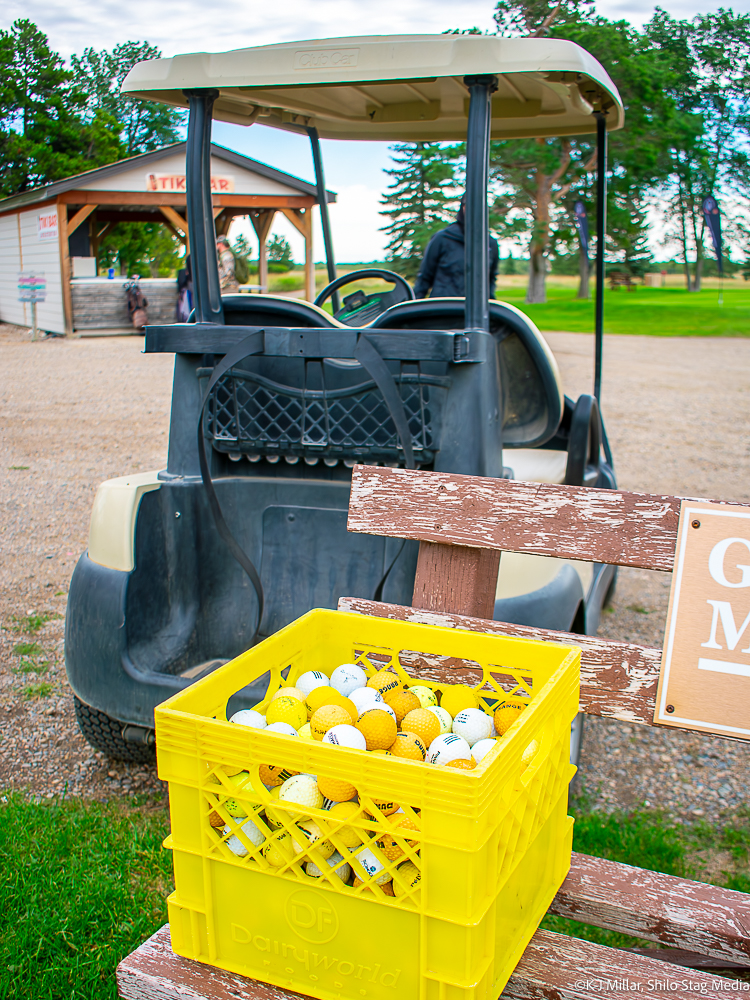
76 412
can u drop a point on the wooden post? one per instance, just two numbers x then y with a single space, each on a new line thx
261 221
302 222
456 579
62 236
178 222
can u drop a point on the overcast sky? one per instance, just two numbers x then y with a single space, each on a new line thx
353 170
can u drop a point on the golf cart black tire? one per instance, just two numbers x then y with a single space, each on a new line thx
104 734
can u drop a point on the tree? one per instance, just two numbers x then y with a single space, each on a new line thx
279 254
420 200
143 125
143 248
710 86
42 134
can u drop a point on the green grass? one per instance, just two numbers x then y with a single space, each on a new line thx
27 649
33 623
663 312
82 886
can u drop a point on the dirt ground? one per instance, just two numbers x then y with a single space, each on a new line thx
76 412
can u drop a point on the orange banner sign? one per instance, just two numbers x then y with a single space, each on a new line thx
176 183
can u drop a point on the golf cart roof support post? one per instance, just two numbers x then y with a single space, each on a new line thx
205 268
325 220
601 229
476 234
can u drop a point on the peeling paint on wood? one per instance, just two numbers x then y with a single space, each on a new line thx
556 967
553 967
618 679
673 911
572 522
154 972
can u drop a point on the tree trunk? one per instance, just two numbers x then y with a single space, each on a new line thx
536 290
584 270
698 275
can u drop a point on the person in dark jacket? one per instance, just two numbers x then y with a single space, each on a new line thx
442 268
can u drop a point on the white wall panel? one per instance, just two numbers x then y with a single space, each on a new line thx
11 310
43 255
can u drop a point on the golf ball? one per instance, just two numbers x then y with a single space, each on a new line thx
445 748
364 698
302 790
251 832
249 717
481 748
473 725
444 718
343 871
426 695
281 727
345 736
311 680
347 678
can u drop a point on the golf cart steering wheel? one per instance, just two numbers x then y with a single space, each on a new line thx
358 308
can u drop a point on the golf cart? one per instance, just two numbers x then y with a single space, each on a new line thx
276 399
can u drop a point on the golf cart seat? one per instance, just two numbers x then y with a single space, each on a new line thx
274 310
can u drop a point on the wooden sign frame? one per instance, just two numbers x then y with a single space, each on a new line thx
704 681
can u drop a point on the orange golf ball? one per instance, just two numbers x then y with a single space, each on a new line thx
408 745
402 702
378 728
425 724
326 718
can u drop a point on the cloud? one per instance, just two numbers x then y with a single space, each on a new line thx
188 26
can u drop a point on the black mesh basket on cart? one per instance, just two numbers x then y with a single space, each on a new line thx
250 414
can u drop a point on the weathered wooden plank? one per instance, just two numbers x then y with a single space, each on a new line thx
673 911
572 522
456 579
556 967
154 972
553 966
618 679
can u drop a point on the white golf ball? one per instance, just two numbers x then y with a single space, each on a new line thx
253 834
481 748
311 680
345 736
364 698
444 718
343 871
473 724
446 748
249 717
347 678
303 790
281 727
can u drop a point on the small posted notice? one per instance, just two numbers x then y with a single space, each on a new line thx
704 682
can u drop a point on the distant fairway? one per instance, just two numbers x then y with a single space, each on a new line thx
657 312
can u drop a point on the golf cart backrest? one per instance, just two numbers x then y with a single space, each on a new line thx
272 408
532 392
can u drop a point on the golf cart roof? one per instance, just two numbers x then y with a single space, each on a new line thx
393 87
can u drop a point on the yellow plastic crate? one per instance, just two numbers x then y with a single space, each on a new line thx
493 844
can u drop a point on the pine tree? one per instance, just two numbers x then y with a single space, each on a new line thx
142 125
421 199
42 134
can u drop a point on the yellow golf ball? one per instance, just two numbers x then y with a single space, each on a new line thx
289 710
425 694
456 697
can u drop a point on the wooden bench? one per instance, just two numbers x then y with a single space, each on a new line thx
618 279
463 523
